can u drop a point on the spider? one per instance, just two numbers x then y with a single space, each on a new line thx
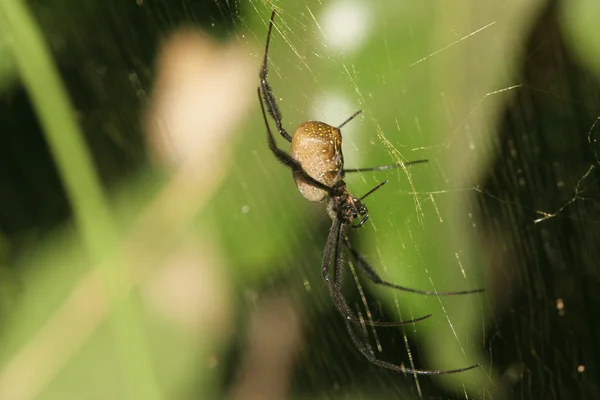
317 165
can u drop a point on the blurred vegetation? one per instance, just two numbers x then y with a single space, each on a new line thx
94 231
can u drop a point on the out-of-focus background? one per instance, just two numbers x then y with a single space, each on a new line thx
151 246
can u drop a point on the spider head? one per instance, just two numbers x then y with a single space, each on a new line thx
348 208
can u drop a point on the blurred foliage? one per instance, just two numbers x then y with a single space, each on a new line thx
428 90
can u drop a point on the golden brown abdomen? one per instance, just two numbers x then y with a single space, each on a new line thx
318 148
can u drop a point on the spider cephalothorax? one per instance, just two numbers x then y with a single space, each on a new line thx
317 165
346 207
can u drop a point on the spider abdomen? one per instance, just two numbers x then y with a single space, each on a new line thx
317 146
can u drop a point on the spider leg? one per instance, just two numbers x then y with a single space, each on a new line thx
367 350
366 217
333 247
372 190
338 278
362 222
375 278
386 167
267 91
360 339
288 160
350 118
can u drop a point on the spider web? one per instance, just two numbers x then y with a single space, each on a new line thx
223 253
436 84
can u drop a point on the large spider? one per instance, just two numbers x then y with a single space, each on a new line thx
317 164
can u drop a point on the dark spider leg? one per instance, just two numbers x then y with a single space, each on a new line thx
360 339
288 160
371 357
333 247
338 279
338 261
362 222
338 270
375 278
366 217
365 348
267 92
350 118
386 167
372 190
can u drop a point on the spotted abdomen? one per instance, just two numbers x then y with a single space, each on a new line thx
318 148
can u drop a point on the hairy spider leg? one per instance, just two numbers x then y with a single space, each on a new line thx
366 217
360 339
386 167
333 247
285 158
267 91
374 189
350 118
338 278
375 278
